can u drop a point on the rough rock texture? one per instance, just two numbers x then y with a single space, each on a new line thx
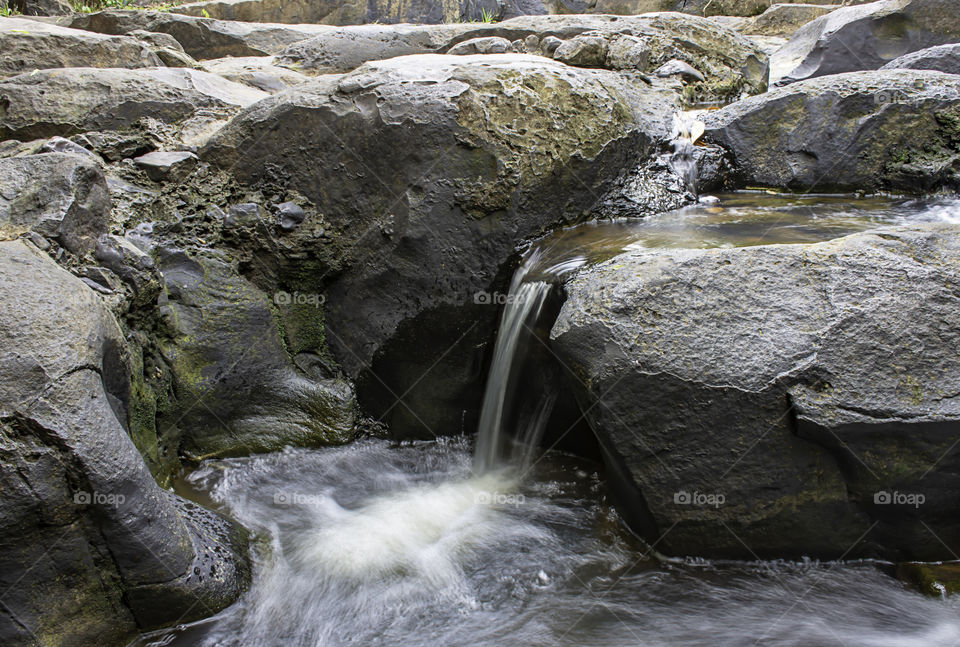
783 19
353 12
945 58
75 100
256 71
809 385
896 129
864 37
58 195
92 549
697 7
237 389
428 171
31 45
731 63
42 7
201 38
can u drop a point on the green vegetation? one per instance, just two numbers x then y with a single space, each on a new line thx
7 10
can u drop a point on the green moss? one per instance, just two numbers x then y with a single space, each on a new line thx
932 579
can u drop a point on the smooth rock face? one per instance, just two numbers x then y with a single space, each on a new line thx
238 391
93 550
895 129
428 171
42 7
805 384
864 37
32 45
172 165
75 100
945 58
489 45
259 72
201 38
61 196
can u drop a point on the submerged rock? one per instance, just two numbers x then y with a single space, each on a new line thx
61 196
778 401
76 100
94 551
864 37
428 171
891 130
32 45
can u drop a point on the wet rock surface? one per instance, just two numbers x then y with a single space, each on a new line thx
700 369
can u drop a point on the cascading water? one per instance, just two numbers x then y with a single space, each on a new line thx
371 544
686 132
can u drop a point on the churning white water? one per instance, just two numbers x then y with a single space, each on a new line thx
431 544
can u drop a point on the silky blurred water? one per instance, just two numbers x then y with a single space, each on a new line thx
377 544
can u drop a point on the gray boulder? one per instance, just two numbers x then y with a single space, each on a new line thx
42 7
237 389
945 58
60 196
32 45
94 551
783 19
77 100
781 400
426 183
864 37
488 45
259 72
201 38
893 129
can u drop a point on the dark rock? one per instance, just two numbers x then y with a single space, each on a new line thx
58 195
427 186
945 58
133 265
237 389
243 215
936 580
813 387
583 51
42 7
29 44
92 547
890 130
167 165
291 214
201 38
75 100
864 37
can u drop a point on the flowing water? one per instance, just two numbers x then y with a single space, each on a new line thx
432 543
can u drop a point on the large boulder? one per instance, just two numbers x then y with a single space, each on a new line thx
731 64
58 195
428 171
896 129
783 19
781 400
237 389
93 550
76 100
32 45
864 37
201 38
944 58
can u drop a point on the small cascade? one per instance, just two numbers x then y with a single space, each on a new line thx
507 436
686 132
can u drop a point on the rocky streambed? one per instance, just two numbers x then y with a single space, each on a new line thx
235 236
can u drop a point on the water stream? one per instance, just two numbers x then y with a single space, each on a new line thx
435 543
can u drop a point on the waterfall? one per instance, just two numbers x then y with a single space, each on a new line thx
686 132
523 306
